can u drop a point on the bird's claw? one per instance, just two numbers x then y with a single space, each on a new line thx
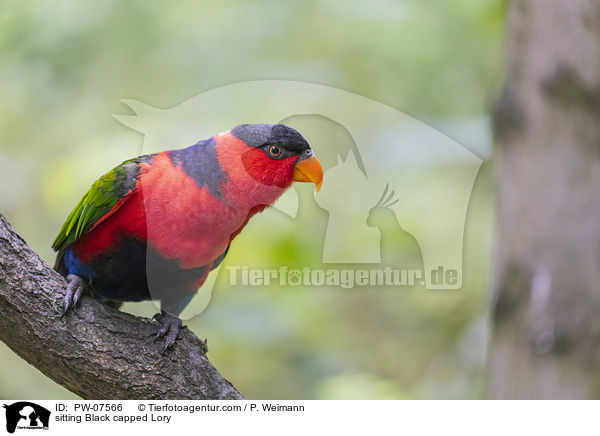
75 289
169 329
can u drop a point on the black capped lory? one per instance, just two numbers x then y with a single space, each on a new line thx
156 225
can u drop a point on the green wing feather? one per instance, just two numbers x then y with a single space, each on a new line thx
98 201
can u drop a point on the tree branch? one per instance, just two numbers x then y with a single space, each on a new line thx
95 351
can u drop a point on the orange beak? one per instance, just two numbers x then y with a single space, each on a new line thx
309 170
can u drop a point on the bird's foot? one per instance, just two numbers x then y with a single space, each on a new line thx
76 287
169 329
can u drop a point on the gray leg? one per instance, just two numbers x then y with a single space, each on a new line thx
169 329
75 289
170 324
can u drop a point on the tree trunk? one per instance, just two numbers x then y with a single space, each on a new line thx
546 316
95 351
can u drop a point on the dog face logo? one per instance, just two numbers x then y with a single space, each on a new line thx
25 415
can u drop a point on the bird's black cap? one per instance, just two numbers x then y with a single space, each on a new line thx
259 135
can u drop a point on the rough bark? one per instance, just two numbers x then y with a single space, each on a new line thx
96 351
546 332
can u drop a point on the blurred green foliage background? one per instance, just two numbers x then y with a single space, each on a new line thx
64 67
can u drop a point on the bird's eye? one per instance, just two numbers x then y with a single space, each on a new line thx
274 150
